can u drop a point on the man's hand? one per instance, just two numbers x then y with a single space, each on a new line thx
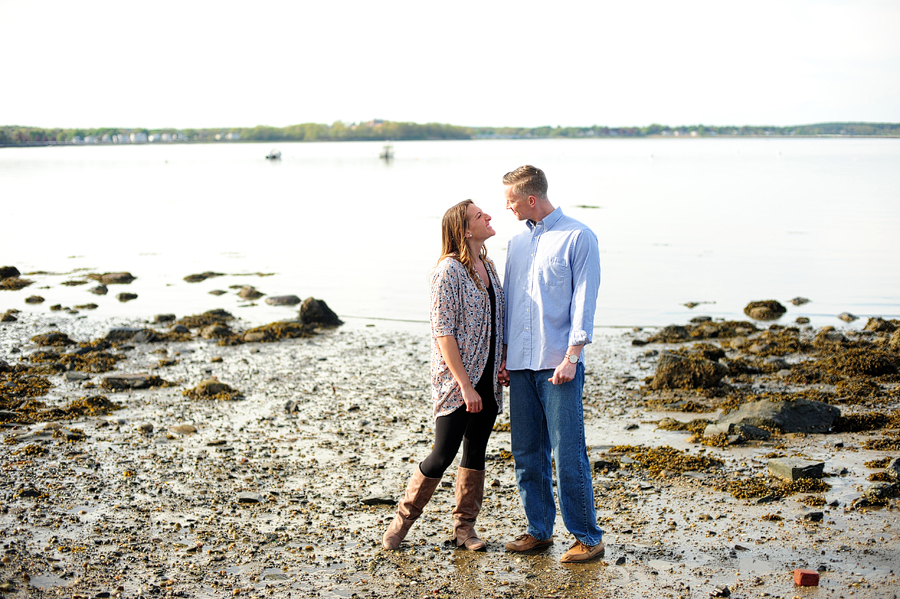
564 373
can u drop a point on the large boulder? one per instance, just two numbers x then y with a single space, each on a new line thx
316 312
765 310
681 372
798 416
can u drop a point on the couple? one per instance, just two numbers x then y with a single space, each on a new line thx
535 347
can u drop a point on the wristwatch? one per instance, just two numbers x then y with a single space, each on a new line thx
572 358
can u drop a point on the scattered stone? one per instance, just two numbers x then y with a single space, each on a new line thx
379 500
671 334
126 297
183 429
721 590
813 516
34 299
121 334
847 317
765 310
792 469
249 292
163 318
893 470
120 382
806 578
686 372
99 290
316 312
249 497
218 292
638 342
145 428
74 376
208 317
91 306
283 300
799 301
9 316
802 320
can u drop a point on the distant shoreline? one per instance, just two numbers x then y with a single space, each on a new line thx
44 144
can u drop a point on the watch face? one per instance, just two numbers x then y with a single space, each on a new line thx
573 359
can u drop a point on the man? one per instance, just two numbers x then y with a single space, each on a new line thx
551 283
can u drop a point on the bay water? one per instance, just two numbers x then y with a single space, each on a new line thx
714 221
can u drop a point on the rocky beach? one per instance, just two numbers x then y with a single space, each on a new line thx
201 456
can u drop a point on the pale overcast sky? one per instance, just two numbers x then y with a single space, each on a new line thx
203 63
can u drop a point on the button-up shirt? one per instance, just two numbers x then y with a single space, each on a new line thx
551 285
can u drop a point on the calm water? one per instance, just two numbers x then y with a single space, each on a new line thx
723 221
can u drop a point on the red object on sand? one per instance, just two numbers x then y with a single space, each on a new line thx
806 578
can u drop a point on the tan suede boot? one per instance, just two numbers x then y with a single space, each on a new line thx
469 494
418 493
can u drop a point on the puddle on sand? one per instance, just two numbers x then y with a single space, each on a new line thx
46 581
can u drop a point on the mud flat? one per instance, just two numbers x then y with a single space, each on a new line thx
283 486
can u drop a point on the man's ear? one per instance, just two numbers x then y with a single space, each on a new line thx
532 201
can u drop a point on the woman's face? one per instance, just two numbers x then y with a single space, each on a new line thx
479 224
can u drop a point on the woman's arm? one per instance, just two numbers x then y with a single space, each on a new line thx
450 351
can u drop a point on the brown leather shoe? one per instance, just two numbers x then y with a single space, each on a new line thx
526 542
579 552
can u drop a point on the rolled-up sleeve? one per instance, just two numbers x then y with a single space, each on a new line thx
585 287
445 308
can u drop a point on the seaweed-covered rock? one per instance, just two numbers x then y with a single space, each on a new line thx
52 338
895 341
216 331
848 317
9 271
202 276
880 325
213 389
799 301
99 290
798 416
209 317
249 292
276 331
686 372
113 278
126 297
34 299
671 334
120 382
316 312
283 300
765 310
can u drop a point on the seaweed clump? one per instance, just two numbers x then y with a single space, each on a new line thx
213 389
657 459
763 486
209 317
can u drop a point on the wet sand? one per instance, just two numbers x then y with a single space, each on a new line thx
262 501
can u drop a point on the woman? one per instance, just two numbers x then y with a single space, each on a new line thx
467 310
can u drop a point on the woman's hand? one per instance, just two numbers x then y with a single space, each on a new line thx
472 399
503 374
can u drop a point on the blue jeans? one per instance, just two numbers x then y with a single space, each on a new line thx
545 417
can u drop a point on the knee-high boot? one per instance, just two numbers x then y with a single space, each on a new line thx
469 495
418 493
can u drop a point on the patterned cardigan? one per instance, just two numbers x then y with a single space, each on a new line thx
459 309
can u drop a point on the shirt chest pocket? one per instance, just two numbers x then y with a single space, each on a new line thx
555 272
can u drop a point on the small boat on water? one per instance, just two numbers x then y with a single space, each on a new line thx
387 152
274 155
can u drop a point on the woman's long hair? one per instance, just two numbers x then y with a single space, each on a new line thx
453 240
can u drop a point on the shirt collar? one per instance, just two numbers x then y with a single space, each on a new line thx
549 220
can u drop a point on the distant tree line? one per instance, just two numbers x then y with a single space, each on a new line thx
378 130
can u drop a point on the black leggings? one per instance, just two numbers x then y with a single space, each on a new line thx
460 426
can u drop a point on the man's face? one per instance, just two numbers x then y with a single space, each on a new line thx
520 207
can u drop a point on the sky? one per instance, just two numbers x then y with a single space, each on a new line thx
204 63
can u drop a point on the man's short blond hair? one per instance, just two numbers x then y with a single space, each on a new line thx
527 181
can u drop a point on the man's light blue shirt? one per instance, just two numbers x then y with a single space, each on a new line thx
551 285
